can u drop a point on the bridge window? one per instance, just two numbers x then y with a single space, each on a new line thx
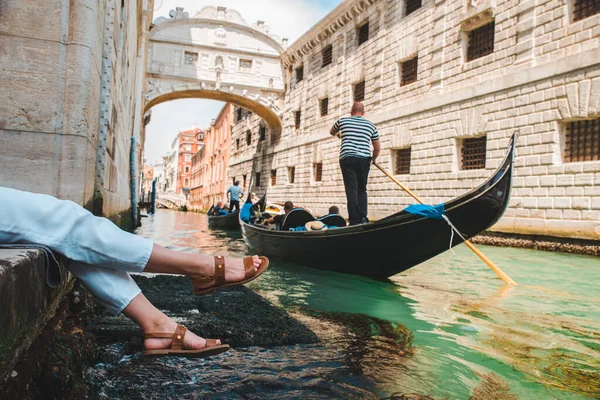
473 153
582 140
409 71
481 41
363 33
300 73
327 56
402 161
585 8
291 174
273 177
190 58
324 106
359 91
262 132
248 137
245 65
297 119
318 171
257 179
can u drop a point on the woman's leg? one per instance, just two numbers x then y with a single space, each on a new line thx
119 293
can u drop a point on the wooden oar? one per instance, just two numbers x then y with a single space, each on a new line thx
486 260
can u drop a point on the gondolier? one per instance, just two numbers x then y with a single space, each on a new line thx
357 134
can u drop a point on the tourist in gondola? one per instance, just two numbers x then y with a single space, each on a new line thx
102 256
334 210
357 134
233 194
278 219
218 210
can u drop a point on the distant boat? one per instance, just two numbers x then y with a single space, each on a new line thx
229 221
395 243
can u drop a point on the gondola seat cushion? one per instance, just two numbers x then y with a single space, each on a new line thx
333 220
297 217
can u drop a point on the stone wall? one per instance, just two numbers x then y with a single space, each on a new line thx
544 72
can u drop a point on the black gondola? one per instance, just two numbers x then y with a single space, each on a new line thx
229 221
395 243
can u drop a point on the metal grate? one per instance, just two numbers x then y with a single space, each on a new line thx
585 8
248 137
291 174
257 179
363 33
402 161
409 71
359 91
481 41
582 140
190 58
273 177
297 118
262 132
327 56
473 153
412 6
300 73
245 65
324 106
318 167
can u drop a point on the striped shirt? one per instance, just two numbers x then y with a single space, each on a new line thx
357 135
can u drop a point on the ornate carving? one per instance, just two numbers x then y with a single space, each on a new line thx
220 35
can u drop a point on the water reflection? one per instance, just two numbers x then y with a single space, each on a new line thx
541 337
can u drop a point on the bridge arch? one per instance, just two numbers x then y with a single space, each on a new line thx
216 55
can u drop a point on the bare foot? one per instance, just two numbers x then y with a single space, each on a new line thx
234 270
190 341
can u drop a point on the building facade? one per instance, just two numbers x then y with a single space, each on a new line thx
188 143
210 164
447 83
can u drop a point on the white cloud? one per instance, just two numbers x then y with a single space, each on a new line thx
286 19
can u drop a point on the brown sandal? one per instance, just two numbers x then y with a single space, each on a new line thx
211 349
219 277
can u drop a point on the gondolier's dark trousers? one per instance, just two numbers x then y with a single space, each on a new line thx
232 204
355 171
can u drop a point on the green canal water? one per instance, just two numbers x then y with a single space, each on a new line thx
542 337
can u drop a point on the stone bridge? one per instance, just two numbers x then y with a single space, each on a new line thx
216 55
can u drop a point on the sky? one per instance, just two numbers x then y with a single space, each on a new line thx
286 19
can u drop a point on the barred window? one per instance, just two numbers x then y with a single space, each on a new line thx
190 58
473 153
363 33
324 106
585 8
481 41
327 56
359 91
300 73
297 119
412 6
245 65
318 171
257 179
402 161
582 140
409 71
291 174
262 132
273 177
248 137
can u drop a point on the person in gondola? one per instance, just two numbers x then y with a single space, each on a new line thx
102 256
334 210
278 219
357 134
219 210
234 193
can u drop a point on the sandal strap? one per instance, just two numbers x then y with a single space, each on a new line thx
219 270
177 336
249 267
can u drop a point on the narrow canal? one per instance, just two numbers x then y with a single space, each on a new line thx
541 338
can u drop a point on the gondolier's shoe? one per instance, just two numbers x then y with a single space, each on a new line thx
211 348
219 275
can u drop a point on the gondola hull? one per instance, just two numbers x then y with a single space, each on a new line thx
395 243
225 222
